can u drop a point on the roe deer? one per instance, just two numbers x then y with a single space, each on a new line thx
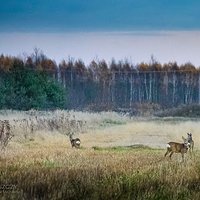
75 142
174 147
190 141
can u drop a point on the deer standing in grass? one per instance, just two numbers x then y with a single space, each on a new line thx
75 142
190 141
174 147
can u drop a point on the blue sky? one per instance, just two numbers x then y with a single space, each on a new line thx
100 15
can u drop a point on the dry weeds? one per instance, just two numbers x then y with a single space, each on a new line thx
108 166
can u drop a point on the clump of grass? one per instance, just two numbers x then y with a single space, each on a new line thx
50 164
122 148
112 122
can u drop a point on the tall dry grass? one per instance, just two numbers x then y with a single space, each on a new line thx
110 165
107 173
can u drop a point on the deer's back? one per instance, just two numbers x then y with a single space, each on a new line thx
177 147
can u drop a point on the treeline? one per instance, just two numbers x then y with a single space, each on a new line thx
123 85
116 85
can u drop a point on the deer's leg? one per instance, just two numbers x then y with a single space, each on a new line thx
171 154
167 152
182 156
192 146
190 150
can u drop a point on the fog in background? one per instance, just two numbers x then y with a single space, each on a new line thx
136 47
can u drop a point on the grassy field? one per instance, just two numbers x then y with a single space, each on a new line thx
120 158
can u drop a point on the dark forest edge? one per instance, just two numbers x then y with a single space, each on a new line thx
37 82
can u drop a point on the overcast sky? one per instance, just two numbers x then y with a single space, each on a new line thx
62 15
88 29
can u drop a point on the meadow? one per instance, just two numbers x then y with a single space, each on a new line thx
121 157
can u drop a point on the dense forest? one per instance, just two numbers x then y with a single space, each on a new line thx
97 86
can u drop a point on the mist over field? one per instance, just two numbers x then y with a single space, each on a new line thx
134 46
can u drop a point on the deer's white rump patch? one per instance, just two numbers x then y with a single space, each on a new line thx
78 142
168 146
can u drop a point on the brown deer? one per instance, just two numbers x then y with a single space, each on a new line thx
174 147
75 142
190 141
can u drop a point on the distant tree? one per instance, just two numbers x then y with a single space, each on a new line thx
5 63
79 67
94 70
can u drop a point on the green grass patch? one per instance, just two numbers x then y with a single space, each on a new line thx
123 148
110 122
50 164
